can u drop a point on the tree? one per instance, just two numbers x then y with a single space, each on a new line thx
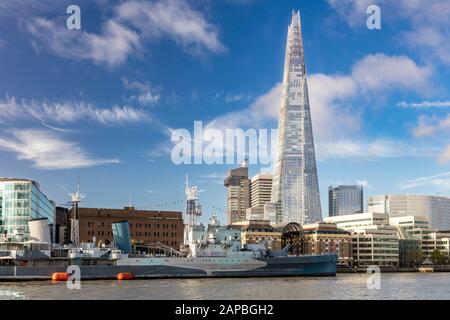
437 257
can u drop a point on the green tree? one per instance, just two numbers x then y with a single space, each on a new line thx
437 257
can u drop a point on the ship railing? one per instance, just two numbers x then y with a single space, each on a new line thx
158 246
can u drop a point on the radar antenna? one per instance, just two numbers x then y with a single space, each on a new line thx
193 207
76 198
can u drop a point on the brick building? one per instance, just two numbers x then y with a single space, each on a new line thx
323 238
258 231
145 226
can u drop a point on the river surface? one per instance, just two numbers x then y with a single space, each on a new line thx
343 286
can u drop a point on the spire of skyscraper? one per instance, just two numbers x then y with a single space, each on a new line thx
295 192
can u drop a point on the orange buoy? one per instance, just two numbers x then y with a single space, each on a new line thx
60 276
125 276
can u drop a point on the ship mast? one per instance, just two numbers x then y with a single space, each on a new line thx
76 198
193 208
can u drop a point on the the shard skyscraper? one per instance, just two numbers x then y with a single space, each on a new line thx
295 191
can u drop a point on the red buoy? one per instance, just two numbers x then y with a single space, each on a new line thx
125 276
60 276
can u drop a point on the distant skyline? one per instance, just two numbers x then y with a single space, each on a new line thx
100 103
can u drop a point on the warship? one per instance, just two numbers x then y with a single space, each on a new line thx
214 252
211 251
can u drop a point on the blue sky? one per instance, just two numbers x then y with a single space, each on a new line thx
99 102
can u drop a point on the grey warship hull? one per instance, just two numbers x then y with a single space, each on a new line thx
321 265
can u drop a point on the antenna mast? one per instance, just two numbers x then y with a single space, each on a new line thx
76 198
193 207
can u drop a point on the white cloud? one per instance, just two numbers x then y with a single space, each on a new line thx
444 157
263 110
430 125
49 151
174 18
69 112
215 175
426 28
331 111
430 27
441 181
230 98
111 47
146 94
381 72
354 11
371 150
134 23
332 97
364 184
424 104
334 113
16 9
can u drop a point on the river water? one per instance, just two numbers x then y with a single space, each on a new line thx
343 286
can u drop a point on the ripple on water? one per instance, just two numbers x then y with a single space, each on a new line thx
343 286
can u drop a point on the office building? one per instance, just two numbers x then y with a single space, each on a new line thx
325 238
295 192
435 208
374 241
238 193
260 193
344 200
260 190
409 253
62 231
20 201
418 228
145 226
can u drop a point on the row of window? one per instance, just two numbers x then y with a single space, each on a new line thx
136 225
262 238
167 243
155 234
156 225
99 233
137 234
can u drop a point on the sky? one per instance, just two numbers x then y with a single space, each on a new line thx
101 103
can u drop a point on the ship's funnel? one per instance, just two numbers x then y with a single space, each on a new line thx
121 233
39 230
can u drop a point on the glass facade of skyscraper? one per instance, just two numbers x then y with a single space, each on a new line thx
435 208
295 189
20 201
343 200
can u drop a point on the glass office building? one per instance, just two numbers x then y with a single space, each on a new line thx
20 201
435 208
343 200
295 188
